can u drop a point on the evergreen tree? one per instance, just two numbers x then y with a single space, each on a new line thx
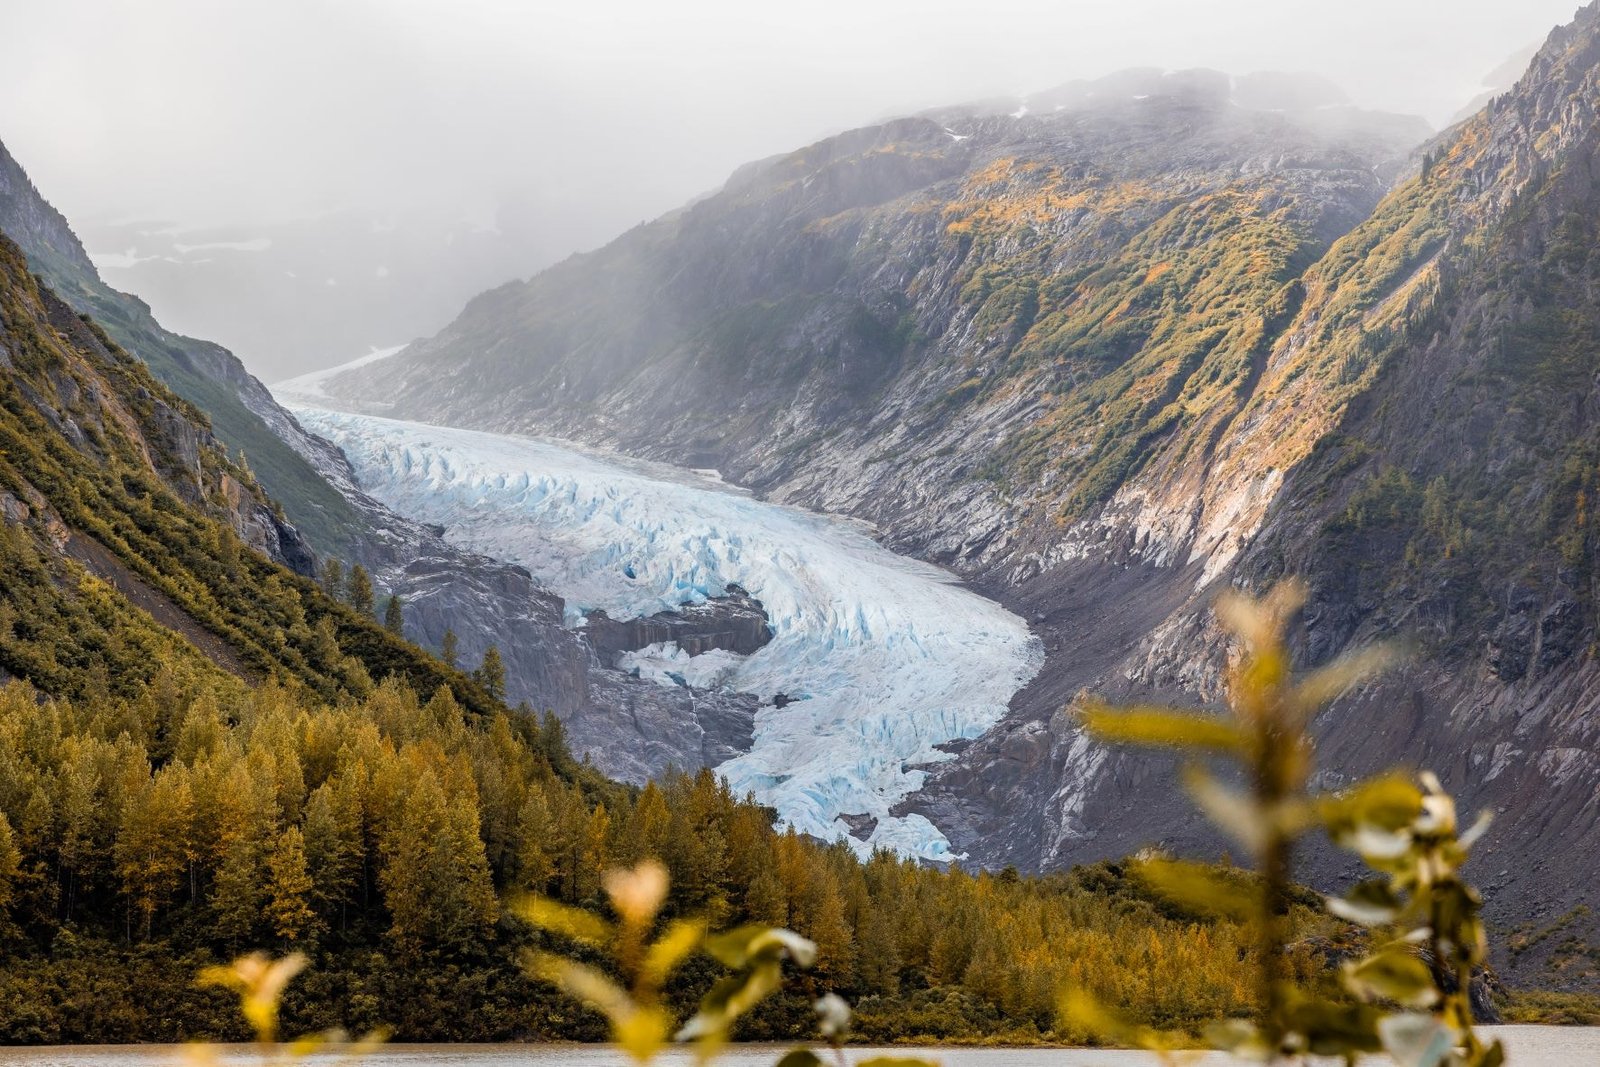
153 842
10 866
447 648
534 831
238 893
394 616
358 589
333 845
595 853
333 578
880 952
491 674
289 888
325 644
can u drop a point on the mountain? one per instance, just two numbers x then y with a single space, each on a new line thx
240 409
135 548
1119 349
1021 310
640 728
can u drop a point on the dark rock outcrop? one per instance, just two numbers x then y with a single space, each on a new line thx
735 623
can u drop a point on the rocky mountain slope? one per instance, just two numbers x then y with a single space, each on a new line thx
1021 312
636 729
135 552
1113 351
240 409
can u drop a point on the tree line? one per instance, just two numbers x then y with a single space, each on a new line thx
143 837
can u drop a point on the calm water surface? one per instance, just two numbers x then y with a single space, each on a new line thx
1529 1046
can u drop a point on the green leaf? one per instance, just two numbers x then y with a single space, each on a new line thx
640 1029
1415 1040
1326 684
584 983
1237 1036
1337 1029
642 1032
1479 827
741 946
1080 1010
1389 803
730 998
1160 727
671 949
1232 811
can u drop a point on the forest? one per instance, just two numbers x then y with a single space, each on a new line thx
143 838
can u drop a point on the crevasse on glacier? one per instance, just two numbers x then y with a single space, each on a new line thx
887 656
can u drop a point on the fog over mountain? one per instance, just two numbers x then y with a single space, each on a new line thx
482 140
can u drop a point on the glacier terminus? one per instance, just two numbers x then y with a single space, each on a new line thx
882 658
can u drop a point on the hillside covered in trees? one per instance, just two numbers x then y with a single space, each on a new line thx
142 837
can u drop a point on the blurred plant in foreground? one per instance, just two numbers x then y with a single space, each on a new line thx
1410 997
260 982
640 1023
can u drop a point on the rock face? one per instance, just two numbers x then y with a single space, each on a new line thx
735 623
241 412
965 326
1113 352
633 729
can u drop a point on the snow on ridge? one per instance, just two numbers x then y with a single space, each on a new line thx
311 388
884 657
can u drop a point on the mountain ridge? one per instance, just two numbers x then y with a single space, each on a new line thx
1104 378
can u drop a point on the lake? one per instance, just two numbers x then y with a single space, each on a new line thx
1529 1046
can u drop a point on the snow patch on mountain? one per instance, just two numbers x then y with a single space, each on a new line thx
882 658
311 388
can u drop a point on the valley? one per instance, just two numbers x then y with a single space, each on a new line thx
1111 566
876 661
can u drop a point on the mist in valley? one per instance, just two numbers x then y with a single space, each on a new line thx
304 181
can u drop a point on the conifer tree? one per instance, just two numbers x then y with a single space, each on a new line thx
880 952
333 843
153 842
447 648
594 855
289 888
358 589
325 643
238 892
333 578
491 674
535 829
10 865
394 616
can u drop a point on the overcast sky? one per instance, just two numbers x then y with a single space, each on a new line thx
595 114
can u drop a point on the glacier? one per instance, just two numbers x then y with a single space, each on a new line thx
883 657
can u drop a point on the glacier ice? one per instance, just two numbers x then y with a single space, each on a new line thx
883 657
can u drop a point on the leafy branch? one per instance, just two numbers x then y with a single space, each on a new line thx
1410 997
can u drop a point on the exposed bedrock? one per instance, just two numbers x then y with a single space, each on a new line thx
734 623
